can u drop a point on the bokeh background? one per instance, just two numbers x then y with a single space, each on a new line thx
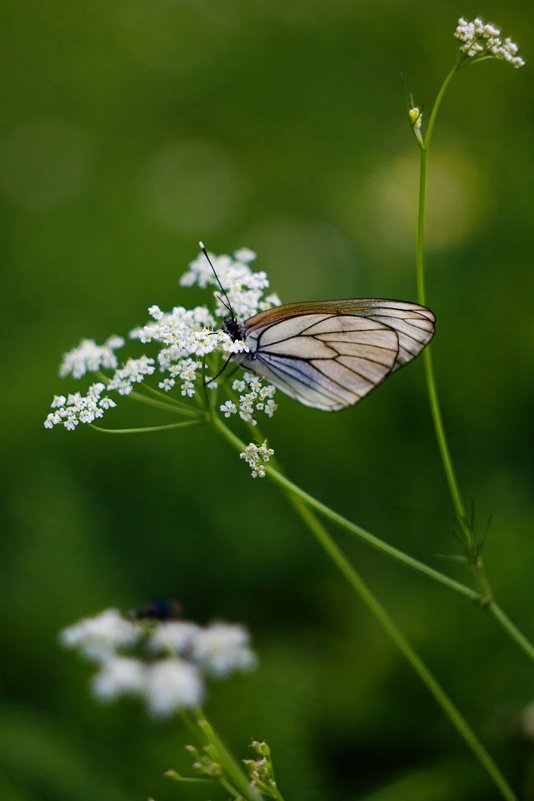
129 130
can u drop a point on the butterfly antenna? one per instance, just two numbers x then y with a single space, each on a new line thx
223 290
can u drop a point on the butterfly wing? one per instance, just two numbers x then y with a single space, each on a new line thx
330 354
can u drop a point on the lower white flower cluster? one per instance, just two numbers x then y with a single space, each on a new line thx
257 456
479 38
164 663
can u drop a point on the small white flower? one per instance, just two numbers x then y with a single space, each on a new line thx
99 637
119 676
89 357
176 636
133 372
256 457
172 684
223 648
167 384
478 38
228 408
77 408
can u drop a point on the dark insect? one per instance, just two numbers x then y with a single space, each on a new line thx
159 609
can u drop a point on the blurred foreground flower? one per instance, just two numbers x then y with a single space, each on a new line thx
163 663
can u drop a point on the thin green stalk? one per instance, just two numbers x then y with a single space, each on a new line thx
167 404
278 478
230 765
208 740
165 398
502 618
443 446
148 429
427 359
378 544
157 404
391 628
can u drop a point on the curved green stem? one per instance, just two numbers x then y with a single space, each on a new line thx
470 541
383 547
375 542
148 429
167 404
395 634
502 618
168 399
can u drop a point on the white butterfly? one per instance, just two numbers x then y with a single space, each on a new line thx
330 354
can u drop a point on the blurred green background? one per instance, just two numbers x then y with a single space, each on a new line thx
129 130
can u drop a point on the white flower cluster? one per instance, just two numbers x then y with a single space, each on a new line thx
166 663
255 396
243 287
89 357
132 373
186 339
256 456
75 408
184 333
479 38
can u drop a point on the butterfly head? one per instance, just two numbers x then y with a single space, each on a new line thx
233 328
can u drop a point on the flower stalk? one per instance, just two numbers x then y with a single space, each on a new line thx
381 546
478 41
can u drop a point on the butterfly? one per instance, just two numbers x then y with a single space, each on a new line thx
329 354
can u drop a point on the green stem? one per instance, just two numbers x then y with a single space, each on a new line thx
502 618
168 399
443 446
230 766
391 628
167 404
157 404
147 429
383 547
378 544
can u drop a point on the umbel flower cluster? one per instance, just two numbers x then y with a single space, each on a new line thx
187 349
166 663
479 39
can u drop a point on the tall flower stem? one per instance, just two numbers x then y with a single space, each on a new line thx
301 503
468 536
383 547
395 634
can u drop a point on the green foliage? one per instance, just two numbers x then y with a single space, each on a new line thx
129 131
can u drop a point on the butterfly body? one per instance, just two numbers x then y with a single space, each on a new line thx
330 354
